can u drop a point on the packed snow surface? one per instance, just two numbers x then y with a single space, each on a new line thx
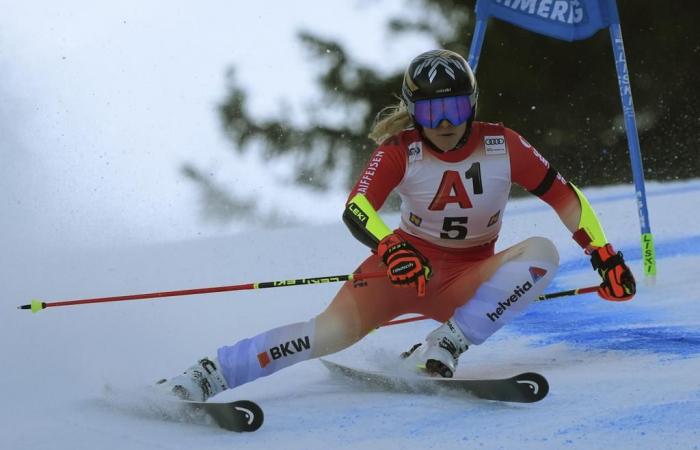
622 375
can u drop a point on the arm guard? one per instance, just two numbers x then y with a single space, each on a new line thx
364 222
590 231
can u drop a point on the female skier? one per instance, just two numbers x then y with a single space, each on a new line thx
453 176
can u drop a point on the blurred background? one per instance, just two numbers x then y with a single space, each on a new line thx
154 121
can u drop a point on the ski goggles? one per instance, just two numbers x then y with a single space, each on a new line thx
430 112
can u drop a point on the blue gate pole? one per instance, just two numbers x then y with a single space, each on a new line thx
477 42
647 240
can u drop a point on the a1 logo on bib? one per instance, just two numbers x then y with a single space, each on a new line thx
495 145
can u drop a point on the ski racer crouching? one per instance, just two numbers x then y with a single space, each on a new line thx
453 175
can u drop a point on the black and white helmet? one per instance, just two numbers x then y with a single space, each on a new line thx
437 74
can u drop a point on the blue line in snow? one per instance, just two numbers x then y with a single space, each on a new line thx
601 325
667 249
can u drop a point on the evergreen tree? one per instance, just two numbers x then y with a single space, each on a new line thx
563 97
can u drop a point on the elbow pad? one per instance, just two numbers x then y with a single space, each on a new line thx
590 231
364 222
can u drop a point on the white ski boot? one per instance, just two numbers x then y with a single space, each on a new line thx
197 383
441 350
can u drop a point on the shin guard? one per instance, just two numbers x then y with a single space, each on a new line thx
267 352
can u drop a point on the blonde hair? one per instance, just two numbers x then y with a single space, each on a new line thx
390 121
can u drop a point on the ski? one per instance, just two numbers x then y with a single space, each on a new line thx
526 387
240 416
153 402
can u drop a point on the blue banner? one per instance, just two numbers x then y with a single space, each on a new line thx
569 20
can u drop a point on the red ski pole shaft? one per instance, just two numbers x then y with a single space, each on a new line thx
37 305
543 297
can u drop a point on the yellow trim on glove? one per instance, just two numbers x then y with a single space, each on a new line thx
366 215
589 220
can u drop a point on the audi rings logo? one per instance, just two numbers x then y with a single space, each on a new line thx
495 145
495 141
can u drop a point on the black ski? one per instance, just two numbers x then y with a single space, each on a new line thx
241 415
522 388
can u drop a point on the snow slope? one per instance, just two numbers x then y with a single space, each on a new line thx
622 375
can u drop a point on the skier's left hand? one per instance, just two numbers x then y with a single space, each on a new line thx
618 282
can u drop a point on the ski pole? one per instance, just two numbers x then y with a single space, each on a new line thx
543 297
38 305
583 290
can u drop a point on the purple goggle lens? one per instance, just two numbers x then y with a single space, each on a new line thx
429 113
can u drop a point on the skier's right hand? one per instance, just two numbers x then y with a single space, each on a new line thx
405 265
